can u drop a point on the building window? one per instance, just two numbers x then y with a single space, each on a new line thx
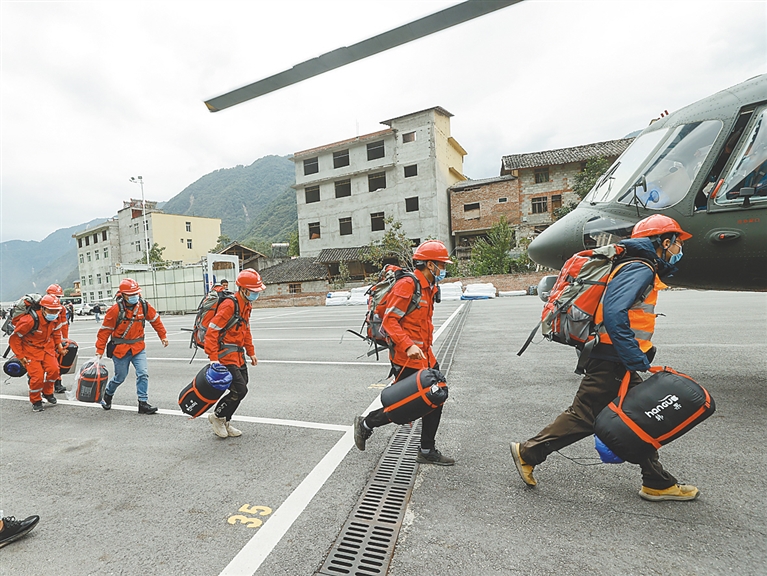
471 211
294 288
88 256
106 281
311 166
377 221
93 297
189 243
416 242
345 226
556 201
101 294
82 259
79 242
341 158
96 254
106 253
411 170
540 205
135 227
312 194
95 238
376 181
188 226
411 204
502 200
343 188
138 245
376 150
408 137
314 230
109 293
146 225
182 240
87 241
90 282
471 207
98 280
541 175
104 235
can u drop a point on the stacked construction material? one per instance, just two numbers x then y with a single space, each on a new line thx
478 291
451 291
337 298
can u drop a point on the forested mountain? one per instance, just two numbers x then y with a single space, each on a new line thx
242 197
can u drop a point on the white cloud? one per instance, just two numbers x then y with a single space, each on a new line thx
93 93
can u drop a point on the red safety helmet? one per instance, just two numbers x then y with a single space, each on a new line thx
50 302
432 250
55 289
251 280
656 225
128 287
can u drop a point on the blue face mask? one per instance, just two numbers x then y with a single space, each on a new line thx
132 299
51 317
675 257
440 275
253 296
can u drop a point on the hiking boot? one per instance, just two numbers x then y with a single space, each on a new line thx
145 408
218 425
106 402
525 470
434 456
14 529
50 398
231 430
59 388
361 434
677 492
38 406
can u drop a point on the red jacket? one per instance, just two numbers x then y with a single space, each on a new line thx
414 328
30 344
127 330
61 324
228 349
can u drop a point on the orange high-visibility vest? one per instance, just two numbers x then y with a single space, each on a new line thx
641 314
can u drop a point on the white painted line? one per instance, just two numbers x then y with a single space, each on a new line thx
439 332
251 419
314 362
253 554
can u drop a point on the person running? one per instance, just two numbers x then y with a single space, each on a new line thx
412 335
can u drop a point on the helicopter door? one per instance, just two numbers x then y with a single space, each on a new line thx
743 184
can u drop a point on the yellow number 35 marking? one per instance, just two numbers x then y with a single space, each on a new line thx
248 521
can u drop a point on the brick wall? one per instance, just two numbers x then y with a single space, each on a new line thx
490 209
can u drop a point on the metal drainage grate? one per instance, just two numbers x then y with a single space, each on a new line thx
366 542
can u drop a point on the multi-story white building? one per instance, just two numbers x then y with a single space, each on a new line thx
104 248
346 190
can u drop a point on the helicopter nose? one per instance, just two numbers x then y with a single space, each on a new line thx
553 246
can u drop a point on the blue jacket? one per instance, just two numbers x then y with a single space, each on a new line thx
626 287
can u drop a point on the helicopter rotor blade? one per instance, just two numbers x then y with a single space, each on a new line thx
346 55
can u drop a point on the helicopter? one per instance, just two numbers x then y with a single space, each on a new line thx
704 165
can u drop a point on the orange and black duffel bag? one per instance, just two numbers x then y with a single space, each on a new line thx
204 391
414 396
661 409
68 361
92 381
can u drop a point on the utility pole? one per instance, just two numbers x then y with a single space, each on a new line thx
140 182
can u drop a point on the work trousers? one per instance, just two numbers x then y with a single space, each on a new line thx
598 388
238 389
429 423
42 376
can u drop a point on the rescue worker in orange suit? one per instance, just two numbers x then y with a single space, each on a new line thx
412 335
35 341
63 326
627 316
229 346
124 322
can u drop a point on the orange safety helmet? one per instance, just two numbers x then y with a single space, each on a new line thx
433 250
55 289
50 302
128 287
251 280
656 225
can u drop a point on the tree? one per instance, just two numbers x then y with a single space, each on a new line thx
343 276
491 255
223 242
584 182
394 244
294 248
155 257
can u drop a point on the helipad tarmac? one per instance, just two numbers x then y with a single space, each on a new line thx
123 493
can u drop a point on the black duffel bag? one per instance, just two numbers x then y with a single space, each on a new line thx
659 410
414 396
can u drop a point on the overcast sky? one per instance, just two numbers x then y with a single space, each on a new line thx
96 92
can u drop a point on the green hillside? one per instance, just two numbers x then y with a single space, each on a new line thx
241 196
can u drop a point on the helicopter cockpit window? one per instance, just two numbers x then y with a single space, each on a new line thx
617 177
668 178
746 181
604 230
